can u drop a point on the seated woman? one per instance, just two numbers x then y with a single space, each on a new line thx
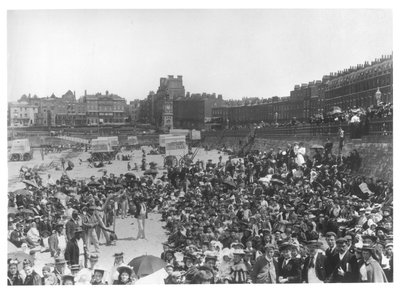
33 234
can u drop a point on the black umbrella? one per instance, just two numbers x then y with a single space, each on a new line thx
277 181
130 174
229 183
151 172
94 183
146 265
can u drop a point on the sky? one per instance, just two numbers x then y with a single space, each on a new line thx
236 53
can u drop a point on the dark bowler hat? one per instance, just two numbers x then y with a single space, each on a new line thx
59 261
78 230
314 244
118 255
68 277
286 246
211 257
367 247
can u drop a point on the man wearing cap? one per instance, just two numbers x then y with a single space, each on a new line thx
59 268
346 266
330 252
314 270
72 224
265 269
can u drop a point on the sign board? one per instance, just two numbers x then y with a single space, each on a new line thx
176 145
195 135
113 140
162 139
101 145
179 132
20 146
133 140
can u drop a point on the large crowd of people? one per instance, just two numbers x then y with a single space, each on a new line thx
280 216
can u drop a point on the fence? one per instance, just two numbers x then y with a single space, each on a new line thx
373 127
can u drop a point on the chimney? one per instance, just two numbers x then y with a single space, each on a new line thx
170 76
106 93
85 93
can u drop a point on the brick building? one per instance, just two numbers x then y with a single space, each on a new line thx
22 114
170 89
356 86
104 109
192 111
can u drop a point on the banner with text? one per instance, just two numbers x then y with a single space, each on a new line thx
176 145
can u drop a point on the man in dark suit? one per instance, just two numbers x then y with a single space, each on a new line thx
330 252
73 252
346 266
71 225
289 270
314 265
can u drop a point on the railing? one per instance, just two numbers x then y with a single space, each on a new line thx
375 127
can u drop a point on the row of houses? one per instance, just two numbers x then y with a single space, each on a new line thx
88 110
356 86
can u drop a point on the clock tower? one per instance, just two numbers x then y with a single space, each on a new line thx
167 115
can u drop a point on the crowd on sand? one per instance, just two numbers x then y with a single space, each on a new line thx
279 216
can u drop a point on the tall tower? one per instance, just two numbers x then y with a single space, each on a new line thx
167 114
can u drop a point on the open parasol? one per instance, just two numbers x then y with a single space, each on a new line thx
277 181
229 183
146 265
27 211
30 182
316 146
22 192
